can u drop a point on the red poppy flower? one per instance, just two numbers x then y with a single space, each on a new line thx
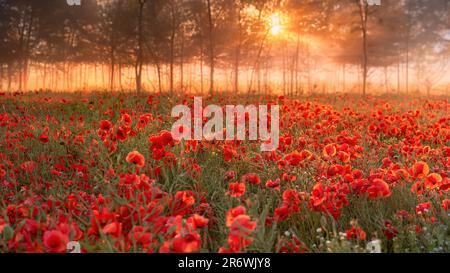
143 120
186 243
114 229
282 213
251 178
292 199
136 158
420 169
233 213
445 185
402 174
433 181
230 175
43 138
229 153
105 125
293 245
357 174
273 183
329 150
198 221
166 138
55 241
404 215
28 166
126 118
293 159
356 233
140 236
423 207
389 230
445 204
378 188
240 230
343 156
236 189
288 177
242 225
182 202
335 169
386 162
2 225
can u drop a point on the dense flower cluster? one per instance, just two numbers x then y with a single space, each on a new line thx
106 172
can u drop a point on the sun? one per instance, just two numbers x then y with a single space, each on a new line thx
275 30
275 24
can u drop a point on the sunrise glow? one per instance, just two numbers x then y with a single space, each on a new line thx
275 24
245 127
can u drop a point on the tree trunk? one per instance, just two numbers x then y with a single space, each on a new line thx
68 81
103 76
363 10
297 56
386 84
51 77
408 33
398 75
139 61
237 51
284 68
27 47
113 64
21 54
258 57
343 78
1 77
172 57
310 87
201 68
85 76
172 48
120 76
80 76
56 77
158 69
9 77
293 73
182 62
211 49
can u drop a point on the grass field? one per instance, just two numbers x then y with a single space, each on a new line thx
102 169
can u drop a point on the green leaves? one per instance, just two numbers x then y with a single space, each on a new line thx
8 233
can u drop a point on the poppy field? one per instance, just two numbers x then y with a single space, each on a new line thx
350 174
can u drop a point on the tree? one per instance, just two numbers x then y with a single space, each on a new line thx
364 13
211 48
140 44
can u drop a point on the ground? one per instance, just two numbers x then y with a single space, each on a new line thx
102 169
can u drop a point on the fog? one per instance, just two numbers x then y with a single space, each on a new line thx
206 46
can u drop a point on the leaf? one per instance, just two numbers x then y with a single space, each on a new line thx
8 233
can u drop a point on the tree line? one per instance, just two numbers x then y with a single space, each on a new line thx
406 39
